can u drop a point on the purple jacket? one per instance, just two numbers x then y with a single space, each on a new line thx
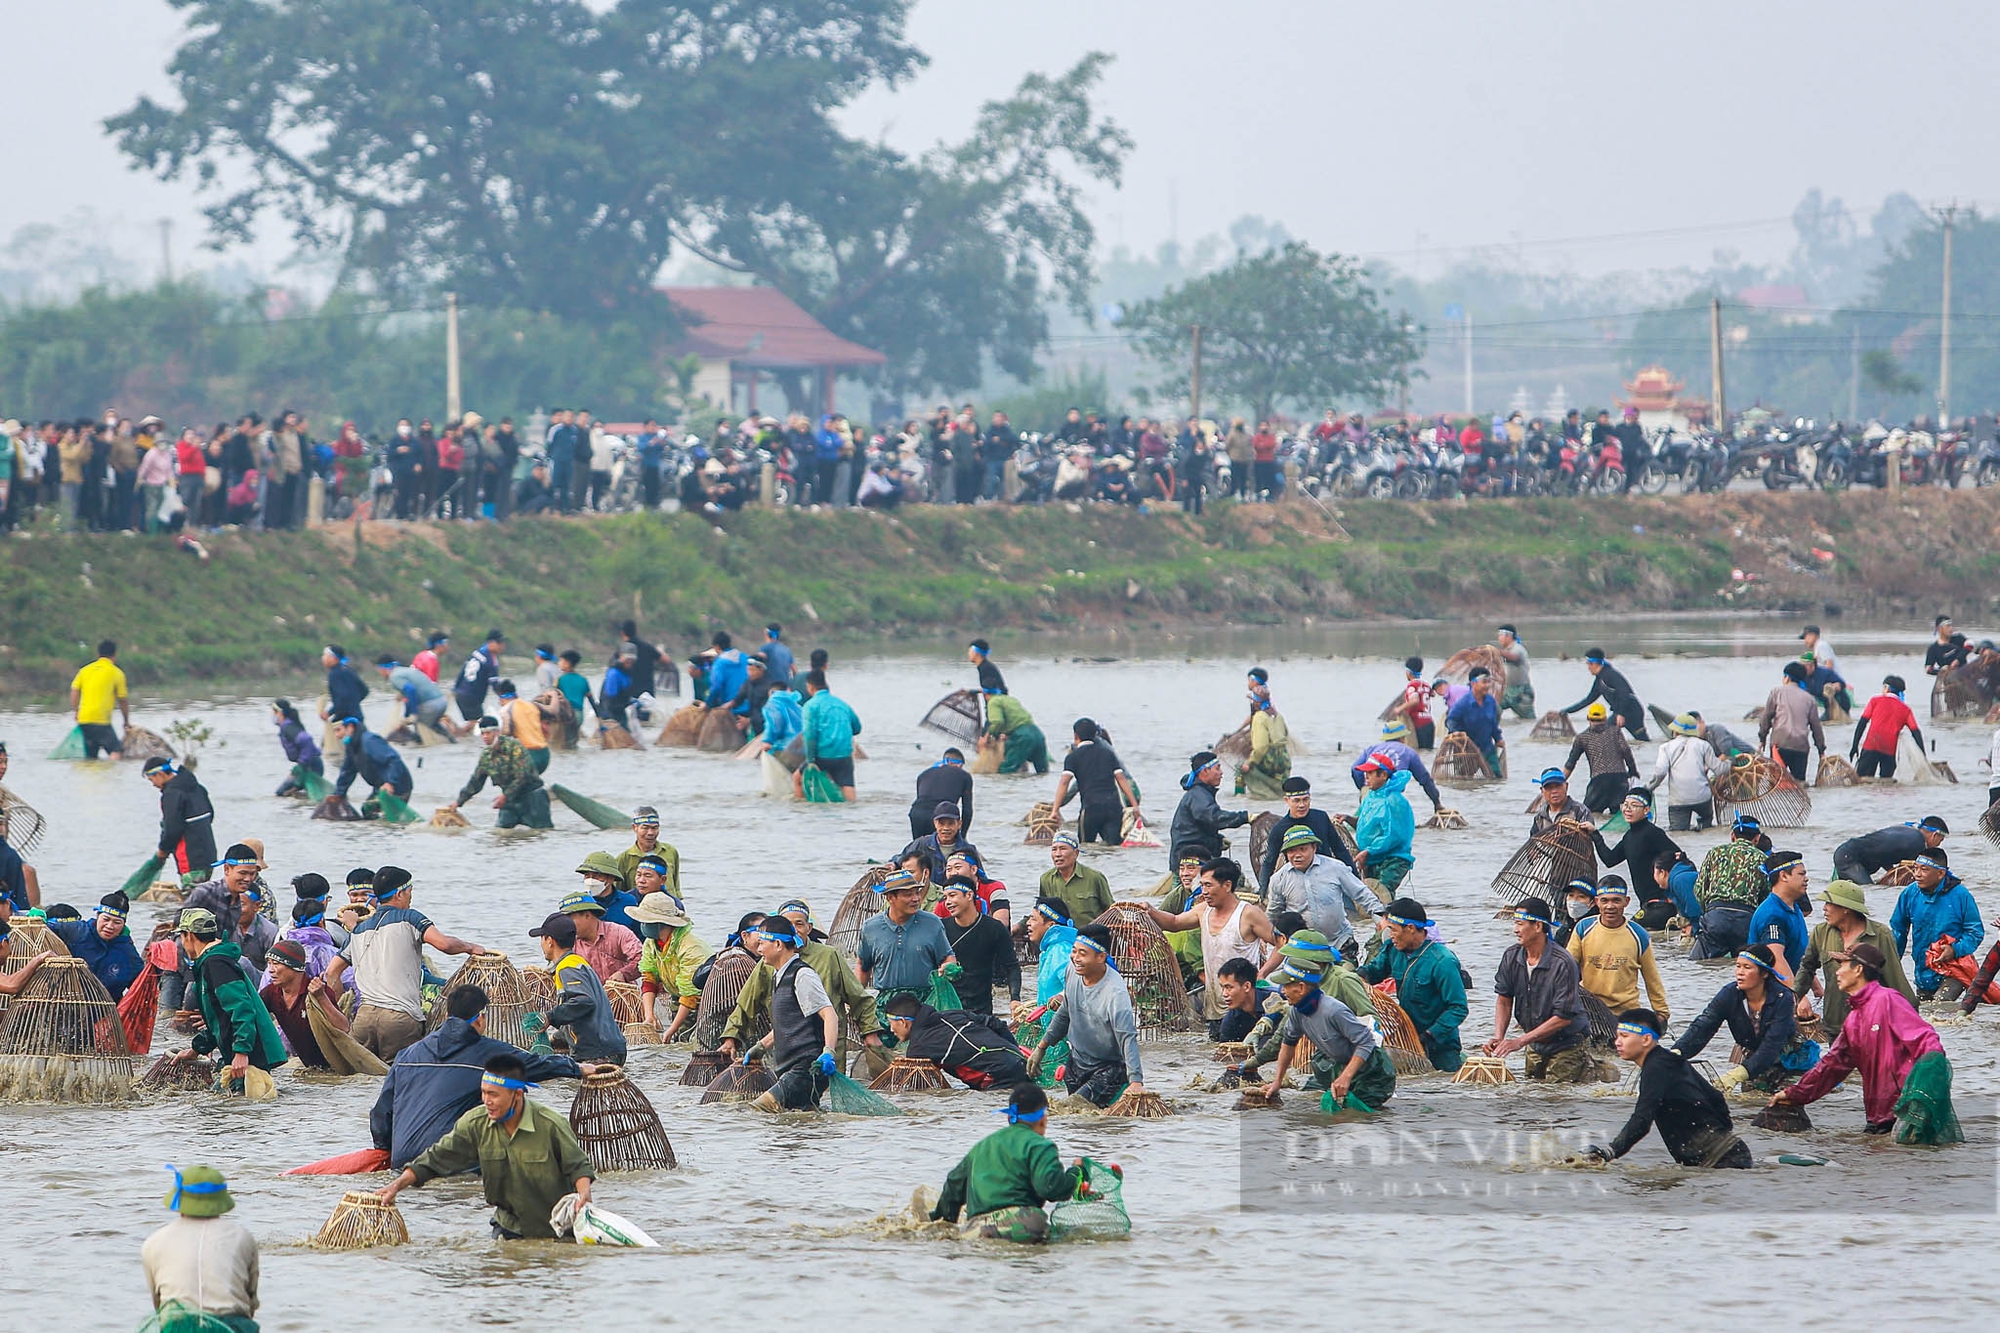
1405 759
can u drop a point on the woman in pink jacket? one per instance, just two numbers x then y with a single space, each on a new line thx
1905 1078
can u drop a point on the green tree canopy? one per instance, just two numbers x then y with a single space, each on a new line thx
1286 326
535 155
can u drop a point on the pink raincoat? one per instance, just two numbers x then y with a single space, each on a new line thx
1882 1037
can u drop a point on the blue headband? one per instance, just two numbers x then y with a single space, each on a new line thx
199 1187
1292 972
1523 914
1019 1117
1746 954
1090 943
1638 1030
502 1081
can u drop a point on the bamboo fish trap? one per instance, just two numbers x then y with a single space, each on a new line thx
338 809
541 989
1603 1023
1989 824
626 1006
1235 747
62 1040
702 1068
1835 772
20 823
738 1083
960 715
1140 1106
1399 1034
444 817
719 733
1151 971
1262 829
726 978
1896 876
167 1074
612 736
141 745
906 1073
683 728
1764 789
1483 1069
31 935
618 1127
361 1221
862 902
1553 726
1043 824
509 996
1966 690
1459 762
1546 863
643 1033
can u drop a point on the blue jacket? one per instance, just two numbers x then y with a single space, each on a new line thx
1921 917
375 762
435 1081
780 659
1052 973
725 678
344 692
830 727
783 718
115 962
1405 759
826 440
1384 826
1480 721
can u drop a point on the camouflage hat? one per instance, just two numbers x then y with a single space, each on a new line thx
196 921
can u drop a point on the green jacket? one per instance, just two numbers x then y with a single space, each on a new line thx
1826 941
1005 714
628 861
1011 1168
670 970
506 762
1087 893
234 1019
524 1176
853 1001
1431 992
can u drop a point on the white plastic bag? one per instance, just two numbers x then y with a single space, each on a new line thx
596 1226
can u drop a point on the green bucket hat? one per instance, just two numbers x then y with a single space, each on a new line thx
1310 949
1684 725
601 863
199 1191
1846 893
1298 835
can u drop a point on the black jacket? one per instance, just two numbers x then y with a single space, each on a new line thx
964 1043
1610 685
1644 845
985 952
186 816
1764 1035
1322 827
1198 823
1682 1104
436 1081
944 782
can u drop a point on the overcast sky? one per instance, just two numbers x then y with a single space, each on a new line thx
1559 128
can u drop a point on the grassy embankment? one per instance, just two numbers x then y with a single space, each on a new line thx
264 603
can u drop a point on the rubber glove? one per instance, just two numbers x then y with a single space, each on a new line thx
748 1051
827 1065
1733 1078
1035 1063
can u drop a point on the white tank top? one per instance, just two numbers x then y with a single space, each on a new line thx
1220 945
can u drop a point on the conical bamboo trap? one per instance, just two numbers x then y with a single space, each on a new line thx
1898 875
611 736
618 1127
738 1083
1262 828
62 1041
167 1074
960 715
642 1033
1603 1023
683 728
1399 1034
1989 823
1966 690
1553 726
444 817
1150 968
20 822
1234 747
703 1067
361 1221
1546 863
1459 763
31 935
541 989
1140 1106
509 996
719 733
726 978
626 1004
1835 772
1482 1069
863 901
1765 790
1043 824
908 1074
140 745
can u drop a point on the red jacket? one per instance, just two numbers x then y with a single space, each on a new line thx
451 454
191 458
1264 447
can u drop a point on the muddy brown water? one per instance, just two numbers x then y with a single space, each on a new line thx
773 1219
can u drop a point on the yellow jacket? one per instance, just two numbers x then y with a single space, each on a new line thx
1613 960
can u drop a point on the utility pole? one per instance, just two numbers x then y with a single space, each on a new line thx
1854 376
1715 364
451 395
1468 363
1944 336
1194 390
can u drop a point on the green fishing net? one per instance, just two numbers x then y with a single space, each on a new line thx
944 995
316 787
71 746
1924 1112
847 1097
1097 1212
395 810
595 812
818 786
142 879
1030 1033
535 1028
178 1317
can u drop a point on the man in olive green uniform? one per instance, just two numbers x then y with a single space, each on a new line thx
1003 1182
646 842
528 1158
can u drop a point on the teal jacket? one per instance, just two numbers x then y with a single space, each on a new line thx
830 727
234 1020
1385 826
1430 990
